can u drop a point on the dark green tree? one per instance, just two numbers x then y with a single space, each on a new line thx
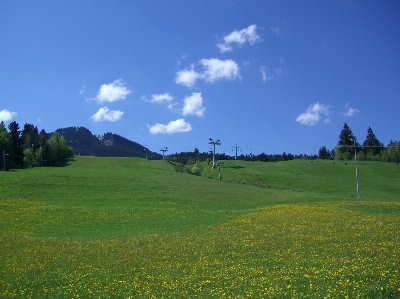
324 153
30 137
17 144
263 157
345 147
372 146
5 144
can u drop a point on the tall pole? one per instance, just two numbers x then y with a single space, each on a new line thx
355 158
214 142
236 146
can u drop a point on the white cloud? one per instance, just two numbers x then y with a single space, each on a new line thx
176 126
224 48
240 37
187 77
83 89
6 115
161 98
267 75
313 114
216 69
112 92
106 114
194 105
350 111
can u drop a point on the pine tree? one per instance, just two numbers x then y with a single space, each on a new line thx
345 147
371 144
18 151
324 153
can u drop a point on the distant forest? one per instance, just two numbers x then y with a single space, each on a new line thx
29 147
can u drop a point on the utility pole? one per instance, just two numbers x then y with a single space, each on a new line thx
355 158
4 160
163 150
214 142
236 146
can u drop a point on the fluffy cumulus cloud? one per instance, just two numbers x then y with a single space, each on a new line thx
112 92
187 77
313 114
176 126
6 115
214 70
350 111
240 37
194 105
106 114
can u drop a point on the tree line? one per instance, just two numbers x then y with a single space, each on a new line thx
29 147
371 149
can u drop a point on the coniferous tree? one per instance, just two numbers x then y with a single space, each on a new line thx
372 145
30 137
17 144
345 147
324 153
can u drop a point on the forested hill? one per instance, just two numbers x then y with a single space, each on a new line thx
83 142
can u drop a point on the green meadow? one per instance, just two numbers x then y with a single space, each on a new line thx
135 228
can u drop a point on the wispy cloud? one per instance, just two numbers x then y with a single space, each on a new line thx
350 111
240 37
106 114
161 98
6 115
214 70
83 89
193 105
176 126
313 114
112 92
267 75
183 57
275 30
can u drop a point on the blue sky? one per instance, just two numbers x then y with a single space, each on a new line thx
269 76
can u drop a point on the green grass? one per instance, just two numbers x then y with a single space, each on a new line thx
129 227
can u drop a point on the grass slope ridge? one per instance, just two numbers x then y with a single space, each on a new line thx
134 228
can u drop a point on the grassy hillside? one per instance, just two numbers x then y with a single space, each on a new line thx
377 180
129 227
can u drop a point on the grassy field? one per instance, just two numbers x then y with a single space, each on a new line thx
133 228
